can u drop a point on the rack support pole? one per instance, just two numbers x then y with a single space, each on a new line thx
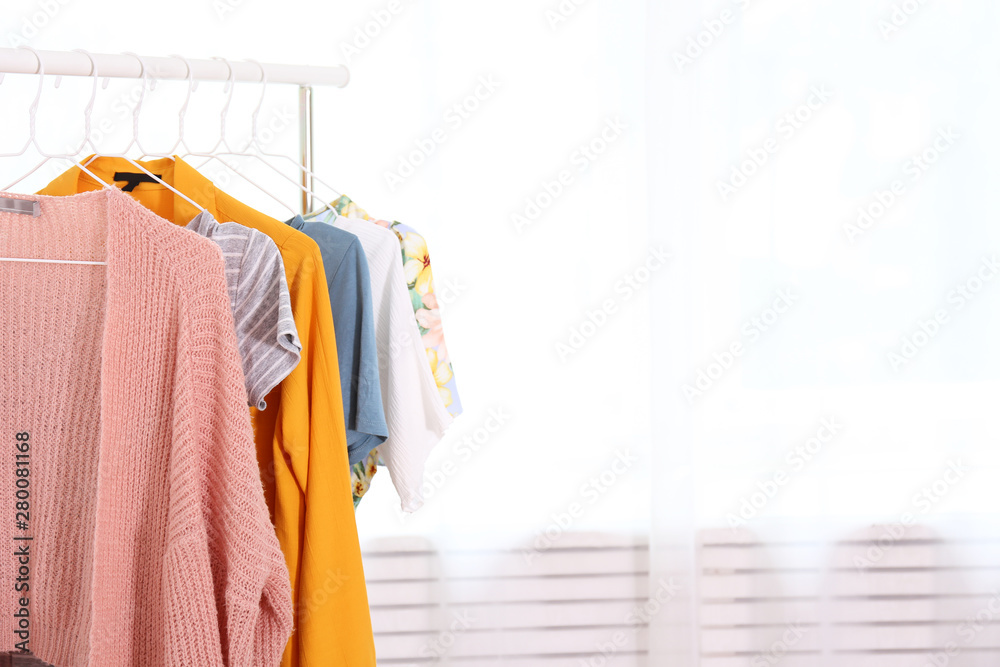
306 144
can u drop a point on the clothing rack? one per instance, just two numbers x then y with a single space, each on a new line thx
74 63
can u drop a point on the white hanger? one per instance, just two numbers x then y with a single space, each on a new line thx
135 136
181 113
214 153
259 152
32 140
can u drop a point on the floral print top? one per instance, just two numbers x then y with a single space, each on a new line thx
426 309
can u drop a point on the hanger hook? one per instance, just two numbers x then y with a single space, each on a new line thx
89 110
33 109
137 109
229 88
260 103
182 113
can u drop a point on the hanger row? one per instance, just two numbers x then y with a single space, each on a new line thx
116 67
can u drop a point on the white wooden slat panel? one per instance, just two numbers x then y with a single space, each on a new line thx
755 640
949 610
556 607
900 554
524 615
904 601
616 587
473 643
402 567
615 660
550 563
395 594
397 544
844 638
816 660
769 585
866 610
818 532
757 556
622 659
405 619
791 660
811 584
555 610
496 542
729 614
559 614
787 660
942 581
908 637
552 615
462 565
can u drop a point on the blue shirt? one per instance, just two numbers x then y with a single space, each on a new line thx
346 268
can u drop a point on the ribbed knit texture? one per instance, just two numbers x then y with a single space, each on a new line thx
152 539
300 438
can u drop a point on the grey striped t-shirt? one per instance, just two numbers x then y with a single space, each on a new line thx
262 309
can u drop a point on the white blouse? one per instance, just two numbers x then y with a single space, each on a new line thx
414 412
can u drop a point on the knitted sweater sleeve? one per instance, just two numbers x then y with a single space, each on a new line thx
224 567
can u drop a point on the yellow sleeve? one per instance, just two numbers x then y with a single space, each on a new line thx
313 505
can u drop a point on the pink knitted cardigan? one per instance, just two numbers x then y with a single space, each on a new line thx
151 543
